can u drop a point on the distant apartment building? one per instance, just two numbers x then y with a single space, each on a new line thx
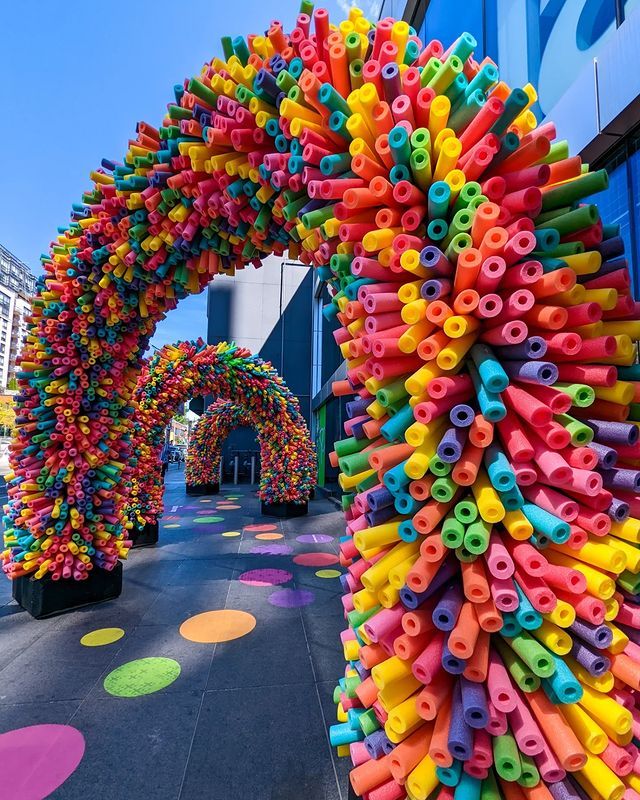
17 287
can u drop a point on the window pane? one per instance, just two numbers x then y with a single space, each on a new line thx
613 205
634 177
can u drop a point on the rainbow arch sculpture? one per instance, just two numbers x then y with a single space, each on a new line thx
490 468
204 454
231 373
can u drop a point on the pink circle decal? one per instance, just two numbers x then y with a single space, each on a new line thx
42 757
260 528
316 559
314 538
265 577
291 598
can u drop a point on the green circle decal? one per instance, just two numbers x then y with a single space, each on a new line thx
142 676
209 519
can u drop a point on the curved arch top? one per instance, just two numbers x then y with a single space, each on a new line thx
489 331
204 453
231 373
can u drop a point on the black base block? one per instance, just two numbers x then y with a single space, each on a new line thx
352 794
48 598
203 488
144 537
284 510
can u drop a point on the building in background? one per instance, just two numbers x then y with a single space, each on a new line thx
17 287
268 311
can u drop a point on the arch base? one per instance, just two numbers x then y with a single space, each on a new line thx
48 598
202 488
284 510
144 537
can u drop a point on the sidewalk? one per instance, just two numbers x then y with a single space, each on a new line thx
245 718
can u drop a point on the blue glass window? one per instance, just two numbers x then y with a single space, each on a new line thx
447 19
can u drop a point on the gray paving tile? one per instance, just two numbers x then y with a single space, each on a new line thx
135 747
267 755
275 652
19 715
175 604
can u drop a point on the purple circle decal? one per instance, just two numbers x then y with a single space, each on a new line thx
291 598
271 550
42 757
314 538
265 577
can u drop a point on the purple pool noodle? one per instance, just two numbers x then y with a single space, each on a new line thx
391 81
610 248
460 739
595 663
362 671
452 664
563 790
532 371
533 347
344 583
357 430
451 444
580 792
388 746
412 600
374 743
379 515
618 510
433 258
628 480
356 408
434 288
462 415
606 268
607 456
380 498
613 432
474 703
598 636
445 614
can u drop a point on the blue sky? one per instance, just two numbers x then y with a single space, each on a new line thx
77 77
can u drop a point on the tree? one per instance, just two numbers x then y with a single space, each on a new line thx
7 417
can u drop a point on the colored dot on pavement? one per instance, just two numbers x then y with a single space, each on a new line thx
291 598
271 549
269 537
102 636
228 507
211 627
314 538
328 573
205 501
229 534
174 525
265 577
142 676
316 559
258 528
208 519
42 757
